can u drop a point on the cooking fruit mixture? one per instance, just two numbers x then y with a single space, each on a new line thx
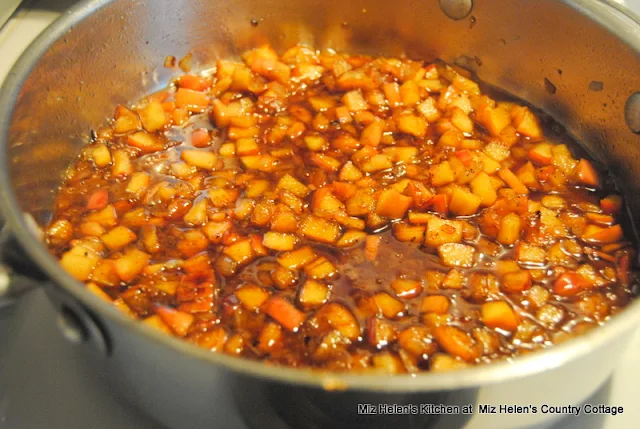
343 212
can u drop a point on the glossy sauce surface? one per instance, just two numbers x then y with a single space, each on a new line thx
344 212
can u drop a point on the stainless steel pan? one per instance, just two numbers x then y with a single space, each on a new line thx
579 61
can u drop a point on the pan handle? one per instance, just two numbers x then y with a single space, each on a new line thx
18 275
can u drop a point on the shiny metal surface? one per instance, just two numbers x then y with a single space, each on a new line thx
107 52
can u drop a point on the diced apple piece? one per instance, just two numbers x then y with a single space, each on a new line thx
222 197
122 306
361 203
390 307
441 231
510 228
457 255
156 322
381 333
371 246
569 284
101 155
489 165
441 174
152 116
138 183
354 101
526 123
563 160
429 110
372 134
284 278
440 204
344 190
350 172
482 187
441 362
513 182
270 339
463 203
325 204
419 218
195 82
340 319
98 200
417 341
351 238
325 162
587 174
180 116
315 143
298 258
438 304
262 213
313 294
178 321
392 94
197 214
227 150
404 154
413 125
499 314
279 241
600 235
377 162
461 120
541 154
80 261
215 231
409 93
105 274
200 159
240 251
121 164
612 204
294 186
264 62
147 143
320 104
516 282
105 217
465 157
126 121
191 99
494 120
118 238
318 229
530 254
456 342
320 268
284 220
392 204
434 279
284 312
409 233
405 288
251 296
247 146
131 264
497 151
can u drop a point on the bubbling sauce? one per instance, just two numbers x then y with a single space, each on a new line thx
344 212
